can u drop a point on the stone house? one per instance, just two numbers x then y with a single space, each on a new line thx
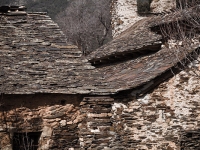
139 91
125 12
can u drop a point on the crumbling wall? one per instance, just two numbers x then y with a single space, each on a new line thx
65 121
96 130
124 13
166 118
55 116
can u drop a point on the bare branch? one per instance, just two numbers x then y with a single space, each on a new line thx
87 23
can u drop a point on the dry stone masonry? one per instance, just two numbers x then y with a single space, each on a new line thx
167 118
125 13
95 131
138 92
56 120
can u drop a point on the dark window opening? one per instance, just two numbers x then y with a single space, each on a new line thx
26 141
190 140
143 6
63 102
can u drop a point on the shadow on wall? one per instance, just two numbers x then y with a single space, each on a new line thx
39 119
190 140
143 6
33 101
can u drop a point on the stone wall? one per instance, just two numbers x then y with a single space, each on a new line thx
124 13
55 116
162 6
167 118
96 130
65 121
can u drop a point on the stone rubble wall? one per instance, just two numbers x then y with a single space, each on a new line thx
77 124
124 13
168 118
57 122
162 6
96 130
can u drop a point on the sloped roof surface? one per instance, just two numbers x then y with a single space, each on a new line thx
35 57
139 37
135 39
131 73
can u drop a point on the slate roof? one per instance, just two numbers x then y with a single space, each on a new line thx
136 39
139 37
35 58
136 71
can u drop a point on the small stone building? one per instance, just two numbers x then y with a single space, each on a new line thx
139 91
125 13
